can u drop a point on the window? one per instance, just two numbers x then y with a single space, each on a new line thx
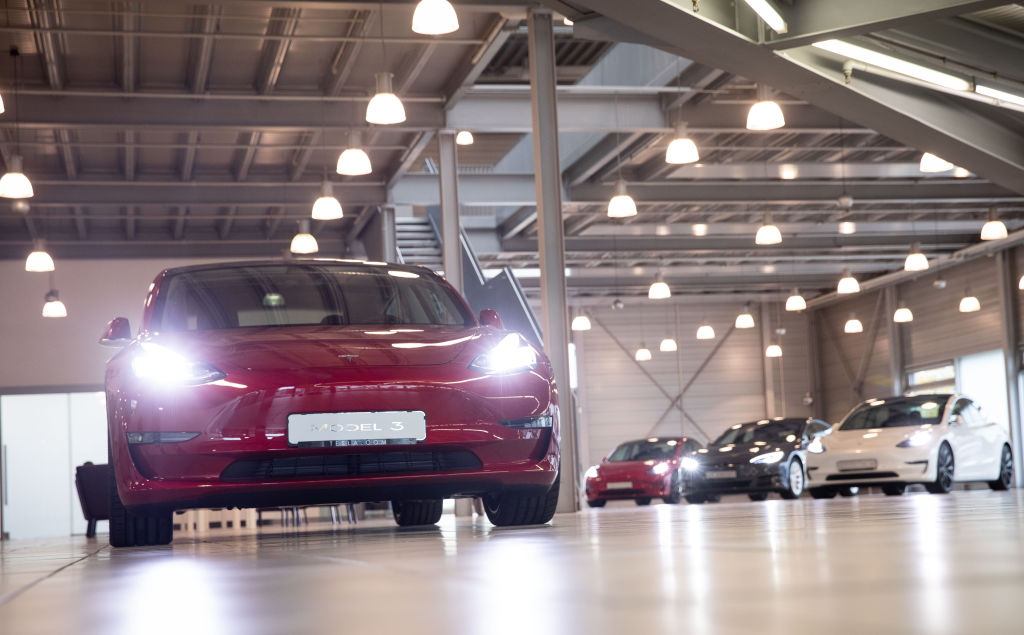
932 379
904 411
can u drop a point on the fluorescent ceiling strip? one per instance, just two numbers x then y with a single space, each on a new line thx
1001 95
769 14
894 64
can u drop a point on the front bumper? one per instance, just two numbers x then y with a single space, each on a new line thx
895 465
749 477
641 486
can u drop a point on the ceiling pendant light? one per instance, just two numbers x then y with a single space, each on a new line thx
969 303
1020 283
659 289
961 173
773 350
434 17
464 138
2 109
853 325
668 345
39 261
580 323
681 149
765 114
354 161
745 320
327 207
705 332
621 205
14 183
994 229
847 227
643 354
385 108
903 315
567 22
304 242
53 307
795 301
916 260
848 284
768 234
699 229
931 164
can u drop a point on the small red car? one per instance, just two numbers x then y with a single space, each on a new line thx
641 470
281 383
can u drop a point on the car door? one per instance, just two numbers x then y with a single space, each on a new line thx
990 442
965 441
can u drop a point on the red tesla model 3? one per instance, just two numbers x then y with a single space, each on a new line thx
641 470
302 382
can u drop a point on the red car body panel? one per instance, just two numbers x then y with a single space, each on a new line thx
644 483
272 372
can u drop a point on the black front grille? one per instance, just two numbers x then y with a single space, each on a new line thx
363 464
861 476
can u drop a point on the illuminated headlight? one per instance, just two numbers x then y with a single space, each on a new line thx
771 457
690 465
591 472
513 354
815 446
161 365
919 438
660 468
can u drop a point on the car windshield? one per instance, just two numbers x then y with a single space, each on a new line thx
304 294
765 431
896 412
647 450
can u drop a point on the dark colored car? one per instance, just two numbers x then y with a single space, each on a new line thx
640 470
755 459
279 383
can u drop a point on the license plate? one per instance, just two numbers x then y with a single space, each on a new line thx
857 465
721 474
620 485
358 428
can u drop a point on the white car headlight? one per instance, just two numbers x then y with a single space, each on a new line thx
513 354
689 464
660 468
591 472
917 439
160 364
771 457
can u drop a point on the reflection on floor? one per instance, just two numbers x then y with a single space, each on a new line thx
873 564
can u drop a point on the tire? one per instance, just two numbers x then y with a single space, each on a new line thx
757 496
894 489
643 501
823 492
849 490
417 513
795 482
1005 480
675 491
695 499
508 510
132 529
945 468
712 498
597 502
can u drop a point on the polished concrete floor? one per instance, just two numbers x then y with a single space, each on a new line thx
916 564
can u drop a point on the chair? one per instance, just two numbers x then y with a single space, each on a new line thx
93 485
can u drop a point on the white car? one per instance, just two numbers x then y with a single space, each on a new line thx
934 440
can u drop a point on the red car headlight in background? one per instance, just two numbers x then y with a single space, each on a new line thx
660 468
513 354
160 364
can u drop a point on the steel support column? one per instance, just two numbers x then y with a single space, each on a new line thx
814 359
551 243
897 345
767 367
1011 356
389 237
451 254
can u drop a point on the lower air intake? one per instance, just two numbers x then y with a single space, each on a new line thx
365 464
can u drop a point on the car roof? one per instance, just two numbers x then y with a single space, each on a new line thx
944 396
295 261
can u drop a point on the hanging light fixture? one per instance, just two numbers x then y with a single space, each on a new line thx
14 183
1020 283
767 233
916 260
580 323
795 301
464 138
931 164
52 306
705 332
304 242
745 320
765 114
903 315
622 204
773 350
681 149
847 227
848 284
354 161
567 22
643 354
969 303
993 229
327 207
961 173
385 108
39 260
659 289
434 17
699 229
668 345
853 325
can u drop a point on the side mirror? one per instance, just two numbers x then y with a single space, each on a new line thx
490 317
118 333
956 420
824 432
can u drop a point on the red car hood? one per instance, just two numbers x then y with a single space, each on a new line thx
275 348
